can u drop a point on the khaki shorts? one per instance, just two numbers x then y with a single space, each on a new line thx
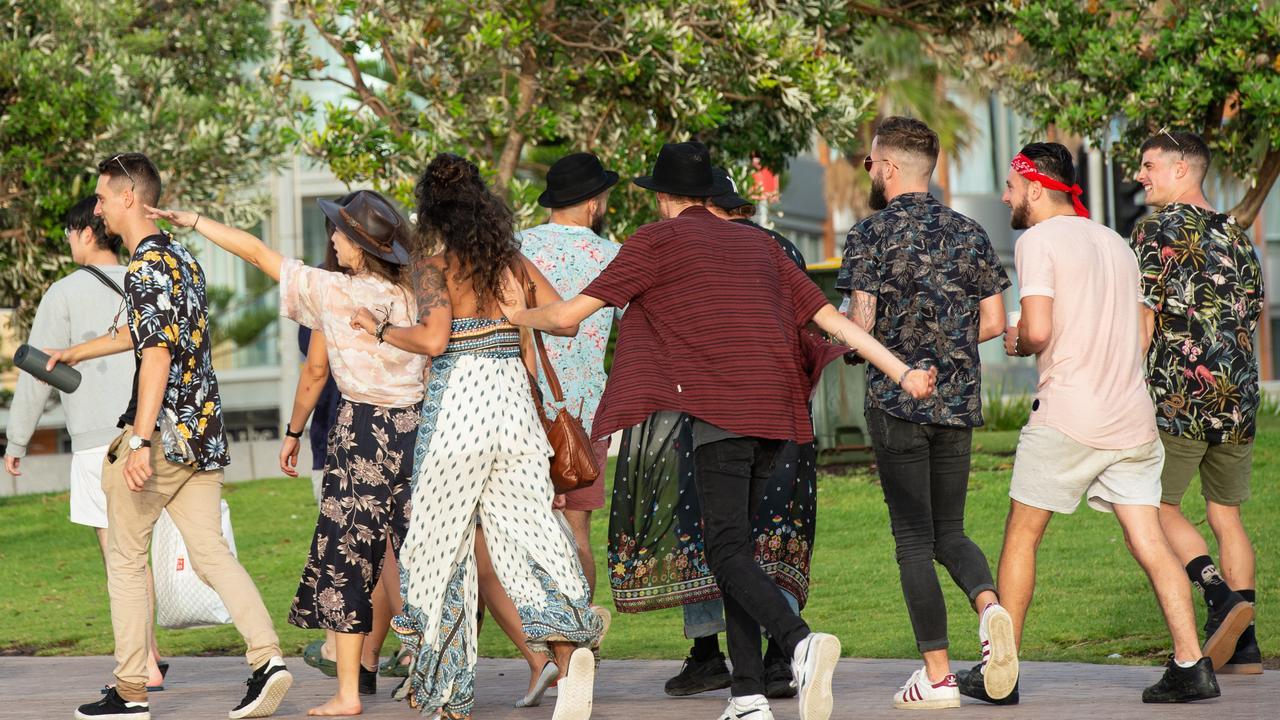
1052 472
1225 470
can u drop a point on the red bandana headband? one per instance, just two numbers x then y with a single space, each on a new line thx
1023 166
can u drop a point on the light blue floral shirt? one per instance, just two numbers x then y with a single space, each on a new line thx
571 257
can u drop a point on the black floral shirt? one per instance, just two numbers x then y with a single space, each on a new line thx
165 298
928 267
1202 278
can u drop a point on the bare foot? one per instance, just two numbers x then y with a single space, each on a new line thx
337 707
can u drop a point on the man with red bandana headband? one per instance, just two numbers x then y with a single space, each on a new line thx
1092 430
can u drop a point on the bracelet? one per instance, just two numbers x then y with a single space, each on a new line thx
381 329
903 378
197 222
1017 350
290 433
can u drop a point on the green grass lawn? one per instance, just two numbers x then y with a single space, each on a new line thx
1092 601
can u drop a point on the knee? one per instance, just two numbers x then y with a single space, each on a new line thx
1223 519
915 550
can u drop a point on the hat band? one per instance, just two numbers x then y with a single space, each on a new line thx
355 225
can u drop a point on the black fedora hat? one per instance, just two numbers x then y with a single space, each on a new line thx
684 169
368 220
575 178
730 200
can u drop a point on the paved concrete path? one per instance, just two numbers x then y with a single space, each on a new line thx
205 688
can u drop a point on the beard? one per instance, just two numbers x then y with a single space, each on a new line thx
877 200
1018 218
599 223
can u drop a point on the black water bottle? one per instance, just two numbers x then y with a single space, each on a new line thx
64 377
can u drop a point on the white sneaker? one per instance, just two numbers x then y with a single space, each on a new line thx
576 688
752 707
920 694
999 652
812 666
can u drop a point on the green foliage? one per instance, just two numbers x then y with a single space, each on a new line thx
1212 68
82 80
488 79
1004 412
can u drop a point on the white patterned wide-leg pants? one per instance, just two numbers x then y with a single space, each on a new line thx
482 455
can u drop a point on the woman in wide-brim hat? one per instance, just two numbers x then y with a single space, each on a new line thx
364 508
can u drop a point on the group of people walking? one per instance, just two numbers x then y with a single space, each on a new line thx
434 495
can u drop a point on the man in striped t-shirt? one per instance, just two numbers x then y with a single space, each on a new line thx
712 329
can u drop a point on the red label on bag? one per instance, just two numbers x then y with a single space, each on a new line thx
181 563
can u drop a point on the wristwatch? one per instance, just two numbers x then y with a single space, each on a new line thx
137 442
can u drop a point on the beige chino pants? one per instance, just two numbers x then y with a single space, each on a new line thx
193 499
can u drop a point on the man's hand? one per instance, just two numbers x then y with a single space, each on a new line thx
289 456
137 468
63 355
919 383
11 464
1011 341
559 501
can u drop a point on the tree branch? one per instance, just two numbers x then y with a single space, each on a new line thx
366 95
527 90
1246 211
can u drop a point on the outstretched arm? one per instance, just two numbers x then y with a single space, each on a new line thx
235 241
916 382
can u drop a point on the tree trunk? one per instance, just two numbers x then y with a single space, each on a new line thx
527 92
1250 205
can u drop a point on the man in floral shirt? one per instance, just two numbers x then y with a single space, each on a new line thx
172 450
569 251
925 281
1202 297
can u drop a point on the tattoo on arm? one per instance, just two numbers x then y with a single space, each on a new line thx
429 287
862 310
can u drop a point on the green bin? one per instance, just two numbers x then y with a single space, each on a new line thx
840 425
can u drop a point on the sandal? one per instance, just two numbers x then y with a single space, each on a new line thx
313 656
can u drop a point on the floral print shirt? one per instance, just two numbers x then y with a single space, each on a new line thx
166 305
570 257
928 267
1202 278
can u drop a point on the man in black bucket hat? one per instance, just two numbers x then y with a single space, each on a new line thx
713 330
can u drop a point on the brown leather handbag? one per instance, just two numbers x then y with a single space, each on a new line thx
573 464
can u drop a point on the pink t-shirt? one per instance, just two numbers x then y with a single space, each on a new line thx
1092 384
365 371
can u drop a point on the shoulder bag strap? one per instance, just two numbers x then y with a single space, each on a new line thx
102 277
531 300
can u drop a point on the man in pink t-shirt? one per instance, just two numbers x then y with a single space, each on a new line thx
1092 431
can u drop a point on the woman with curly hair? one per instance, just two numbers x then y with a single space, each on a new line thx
364 506
481 457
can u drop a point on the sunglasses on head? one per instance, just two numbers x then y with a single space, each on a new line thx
132 183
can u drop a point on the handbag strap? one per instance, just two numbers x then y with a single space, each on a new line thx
531 300
102 278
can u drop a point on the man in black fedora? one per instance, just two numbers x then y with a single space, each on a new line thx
569 251
715 311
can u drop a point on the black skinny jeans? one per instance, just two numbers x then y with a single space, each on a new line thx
924 472
731 475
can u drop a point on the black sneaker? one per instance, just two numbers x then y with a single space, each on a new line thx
699 676
972 684
113 706
368 681
778 679
1179 685
1223 628
1246 659
267 686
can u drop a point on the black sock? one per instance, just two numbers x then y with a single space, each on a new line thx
774 651
705 648
1248 637
1204 575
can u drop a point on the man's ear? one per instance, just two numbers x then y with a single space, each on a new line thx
1181 168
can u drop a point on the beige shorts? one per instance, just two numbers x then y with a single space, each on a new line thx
1052 472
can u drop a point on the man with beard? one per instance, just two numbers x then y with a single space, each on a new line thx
925 281
569 251
1202 296
1092 430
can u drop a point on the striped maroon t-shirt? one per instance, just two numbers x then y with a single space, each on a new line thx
712 329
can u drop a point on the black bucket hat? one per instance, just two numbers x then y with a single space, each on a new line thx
371 222
684 169
575 178
730 200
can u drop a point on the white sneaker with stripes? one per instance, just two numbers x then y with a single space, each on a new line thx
999 652
920 694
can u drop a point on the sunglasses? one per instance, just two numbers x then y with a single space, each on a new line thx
132 183
867 162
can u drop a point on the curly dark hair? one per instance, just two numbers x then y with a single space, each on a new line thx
457 213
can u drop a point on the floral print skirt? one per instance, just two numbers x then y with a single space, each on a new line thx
656 548
365 500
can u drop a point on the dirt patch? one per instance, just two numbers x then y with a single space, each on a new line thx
26 650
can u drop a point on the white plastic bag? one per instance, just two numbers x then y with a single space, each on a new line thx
183 600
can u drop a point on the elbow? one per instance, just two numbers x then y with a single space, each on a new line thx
435 347
1034 339
566 330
